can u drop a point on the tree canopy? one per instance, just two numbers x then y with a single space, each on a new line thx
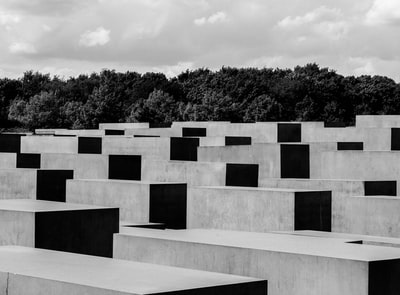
307 92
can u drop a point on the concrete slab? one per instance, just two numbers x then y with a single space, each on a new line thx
33 272
117 126
372 121
138 201
8 160
292 264
58 226
258 209
49 144
41 184
362 239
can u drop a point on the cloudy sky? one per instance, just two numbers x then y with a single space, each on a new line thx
68 37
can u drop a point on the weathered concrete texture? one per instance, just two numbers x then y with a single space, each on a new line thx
48 131
300 164
49 144
58 226
35 271
371 215
8 160
341 189
85 166
118 126
376 121
293 265
162 132
157 148
80 132
139 201
41 184
374 139
364 165
258 209
192 173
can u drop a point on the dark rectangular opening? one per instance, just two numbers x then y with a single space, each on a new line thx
313 211
10 143
289 132
89 145
350 146
295 161
184 149
114 132
147 225
141 135
241 175
395 139
64 135
51 184
28 161
78 231
125 167
168 205
383 277
160 125
237 140
194 132
380 188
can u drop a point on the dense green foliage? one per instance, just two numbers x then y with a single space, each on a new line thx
240 95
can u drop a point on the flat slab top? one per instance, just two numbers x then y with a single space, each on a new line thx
257 189
333 235
133 182
293 244
29 205
106 273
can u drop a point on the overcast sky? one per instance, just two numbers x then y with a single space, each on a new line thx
69 37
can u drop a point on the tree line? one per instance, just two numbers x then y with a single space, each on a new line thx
305 93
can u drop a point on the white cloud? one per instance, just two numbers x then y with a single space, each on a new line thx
320 14
384 12
98 37
174 70
218 17
22 48
8 18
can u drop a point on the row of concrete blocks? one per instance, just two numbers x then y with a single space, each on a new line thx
308 204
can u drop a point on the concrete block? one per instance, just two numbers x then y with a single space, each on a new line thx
292 264
10 143
58 226
41 184
37 271
370 215
28 161
237 140
377 121
117 126
139 201
161 132
125 167
350 146
192 173
49 144
194 132
258 209
89 145
241 175
8 160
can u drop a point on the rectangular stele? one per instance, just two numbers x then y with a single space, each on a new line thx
194 132
184 149
242 175
295 161
289 132
59 226
293 264
28 161
237 140
140 201
10 143
89 145
36 271
258 209
125 167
